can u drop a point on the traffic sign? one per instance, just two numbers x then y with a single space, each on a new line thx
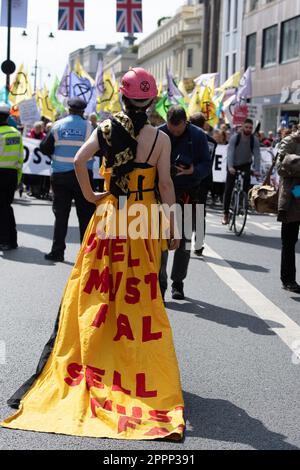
8 67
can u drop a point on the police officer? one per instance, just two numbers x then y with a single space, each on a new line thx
11 162
62 143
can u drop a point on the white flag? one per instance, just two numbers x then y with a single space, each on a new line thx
228 108
82 88
63 91
18 13
99 81
245 87
206 78
173 90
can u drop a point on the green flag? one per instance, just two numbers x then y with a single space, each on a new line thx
53 98
164 104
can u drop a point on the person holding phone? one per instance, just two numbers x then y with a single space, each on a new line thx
190 163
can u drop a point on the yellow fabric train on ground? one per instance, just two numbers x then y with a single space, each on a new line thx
113 370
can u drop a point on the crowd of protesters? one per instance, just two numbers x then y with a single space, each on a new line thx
193 177
39 186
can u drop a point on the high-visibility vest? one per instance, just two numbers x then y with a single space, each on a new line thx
69 135
11 149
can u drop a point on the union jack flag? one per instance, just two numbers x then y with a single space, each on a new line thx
71 15
129 16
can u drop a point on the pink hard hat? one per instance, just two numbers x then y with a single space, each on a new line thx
138 84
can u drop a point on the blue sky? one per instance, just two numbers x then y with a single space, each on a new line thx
53 53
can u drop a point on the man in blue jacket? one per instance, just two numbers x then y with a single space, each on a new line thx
61 144
191 163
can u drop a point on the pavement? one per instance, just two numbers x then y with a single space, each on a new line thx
237 336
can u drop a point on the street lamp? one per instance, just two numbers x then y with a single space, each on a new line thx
50 36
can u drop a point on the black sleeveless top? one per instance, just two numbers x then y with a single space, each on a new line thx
118 144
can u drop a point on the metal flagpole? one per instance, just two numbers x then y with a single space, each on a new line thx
36 57
8 40
131 39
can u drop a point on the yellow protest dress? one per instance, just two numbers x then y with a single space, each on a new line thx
111 370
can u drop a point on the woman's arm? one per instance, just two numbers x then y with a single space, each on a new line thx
165 185
87 151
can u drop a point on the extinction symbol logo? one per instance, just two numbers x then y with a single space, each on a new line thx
145 86
108 92
83 91
48 104
64 88
19 88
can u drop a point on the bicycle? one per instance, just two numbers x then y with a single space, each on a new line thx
238 212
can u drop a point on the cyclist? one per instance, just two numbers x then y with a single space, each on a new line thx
243 146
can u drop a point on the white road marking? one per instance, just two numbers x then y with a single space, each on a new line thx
288 331
265 226
273 226
259 225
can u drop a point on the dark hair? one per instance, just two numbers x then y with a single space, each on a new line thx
130 106
224 137
249 121
3 118
176 115
137 114
198 119
76 112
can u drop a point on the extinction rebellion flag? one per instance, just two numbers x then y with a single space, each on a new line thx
71 15
129 16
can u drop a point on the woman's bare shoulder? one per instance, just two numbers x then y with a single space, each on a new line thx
149 132
164 140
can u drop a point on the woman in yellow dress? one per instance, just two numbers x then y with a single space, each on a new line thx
109 368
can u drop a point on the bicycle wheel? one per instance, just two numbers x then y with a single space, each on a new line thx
241 214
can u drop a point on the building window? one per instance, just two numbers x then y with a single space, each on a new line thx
226 67
253 4
235 22
290 40
269 52
228 16
190 57
234 62
251 50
